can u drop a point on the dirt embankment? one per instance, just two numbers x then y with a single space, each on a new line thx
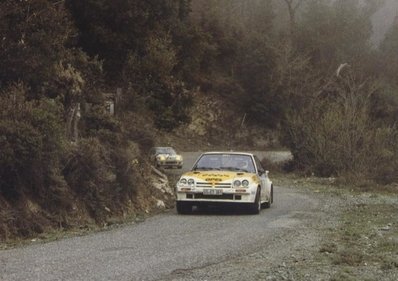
216 124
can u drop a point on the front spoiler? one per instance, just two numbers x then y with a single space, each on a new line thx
227 197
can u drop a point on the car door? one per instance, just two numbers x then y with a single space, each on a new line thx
263 176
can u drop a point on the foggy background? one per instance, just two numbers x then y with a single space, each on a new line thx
383 19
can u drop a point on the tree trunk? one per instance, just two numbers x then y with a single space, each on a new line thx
72 123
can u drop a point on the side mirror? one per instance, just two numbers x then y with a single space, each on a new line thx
266 173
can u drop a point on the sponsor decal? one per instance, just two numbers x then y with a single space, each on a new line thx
212 176
216 175
213 179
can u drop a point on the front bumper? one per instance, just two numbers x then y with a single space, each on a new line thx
226 196
167 164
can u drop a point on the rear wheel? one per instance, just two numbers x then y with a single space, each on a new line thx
183 208
272 194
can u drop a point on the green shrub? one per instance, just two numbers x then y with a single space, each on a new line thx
336 136
139 130
21 150
32 144
88 171
104 176
383 167
31 140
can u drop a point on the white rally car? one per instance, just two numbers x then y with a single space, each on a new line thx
225 177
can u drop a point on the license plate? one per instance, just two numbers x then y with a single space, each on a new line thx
212 191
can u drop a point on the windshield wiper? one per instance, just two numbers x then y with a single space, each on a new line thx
234 169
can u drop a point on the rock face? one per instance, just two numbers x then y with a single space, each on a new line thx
162 194
215 122
161 182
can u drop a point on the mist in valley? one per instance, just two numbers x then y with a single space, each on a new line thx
383 19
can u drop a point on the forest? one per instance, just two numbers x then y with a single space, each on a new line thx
306 69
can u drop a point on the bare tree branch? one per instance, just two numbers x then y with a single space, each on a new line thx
292 7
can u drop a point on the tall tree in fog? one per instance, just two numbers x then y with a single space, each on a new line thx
34 38
239 59
139 43
292 7
389 52
113 29
226 25
37 49
385 104
335 32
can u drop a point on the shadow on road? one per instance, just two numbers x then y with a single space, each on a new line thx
220 210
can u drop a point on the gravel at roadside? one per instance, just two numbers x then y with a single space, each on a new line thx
324 247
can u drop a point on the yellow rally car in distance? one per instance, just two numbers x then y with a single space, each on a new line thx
225 177
166 157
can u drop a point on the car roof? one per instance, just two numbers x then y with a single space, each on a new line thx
228 152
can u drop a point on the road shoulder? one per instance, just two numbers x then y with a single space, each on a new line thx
346 236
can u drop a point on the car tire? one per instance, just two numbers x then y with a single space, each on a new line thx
271 199
183 208
272 194
255 207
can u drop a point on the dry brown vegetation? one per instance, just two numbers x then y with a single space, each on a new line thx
269 67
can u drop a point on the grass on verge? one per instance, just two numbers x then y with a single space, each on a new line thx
365 241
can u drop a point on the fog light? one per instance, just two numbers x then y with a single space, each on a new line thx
191 182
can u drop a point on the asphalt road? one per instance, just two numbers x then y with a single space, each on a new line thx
158 247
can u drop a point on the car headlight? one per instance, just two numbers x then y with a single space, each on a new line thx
191 182
161 158
237 183
183 181
245 183
179 158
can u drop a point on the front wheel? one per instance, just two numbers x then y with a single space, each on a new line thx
255 207
271 198
183 208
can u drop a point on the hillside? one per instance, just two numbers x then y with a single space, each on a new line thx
87 87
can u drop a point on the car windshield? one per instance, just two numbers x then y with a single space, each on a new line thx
230 162
165 150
